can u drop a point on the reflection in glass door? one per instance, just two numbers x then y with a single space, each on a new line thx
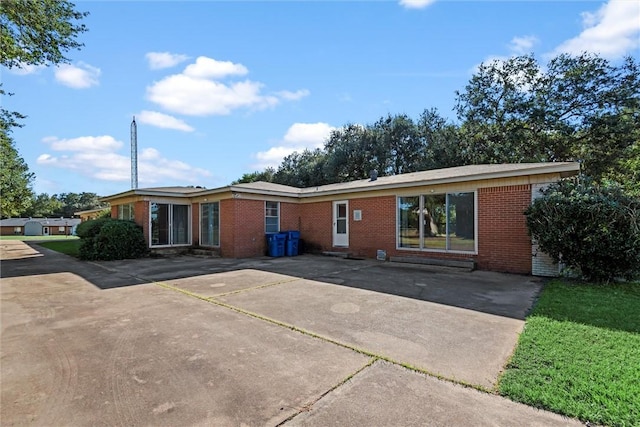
169 224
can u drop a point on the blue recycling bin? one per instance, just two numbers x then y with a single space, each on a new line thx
293 243
276 244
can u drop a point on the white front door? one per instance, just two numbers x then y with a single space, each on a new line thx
341 224
45 231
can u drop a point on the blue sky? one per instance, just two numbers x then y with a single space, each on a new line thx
220 89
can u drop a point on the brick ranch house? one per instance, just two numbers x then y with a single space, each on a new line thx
469 213
38 226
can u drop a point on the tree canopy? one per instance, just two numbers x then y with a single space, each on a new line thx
38 32
32 32
574 108
64 204
15 179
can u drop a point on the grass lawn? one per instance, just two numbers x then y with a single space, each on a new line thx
579 354
39 238
69 246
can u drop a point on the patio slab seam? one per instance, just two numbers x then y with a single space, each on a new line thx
266 285
375 356
308 406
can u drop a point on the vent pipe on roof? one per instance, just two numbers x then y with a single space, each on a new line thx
373 175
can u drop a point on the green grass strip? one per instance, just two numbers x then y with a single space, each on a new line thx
579 354
303 331
69 247
39 238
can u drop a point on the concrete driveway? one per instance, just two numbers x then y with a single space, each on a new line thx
303 341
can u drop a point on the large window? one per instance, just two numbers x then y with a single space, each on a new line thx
210 224
409 218
126 211
170 224
440 222
272 217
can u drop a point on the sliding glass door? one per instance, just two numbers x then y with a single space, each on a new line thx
170 224
210 224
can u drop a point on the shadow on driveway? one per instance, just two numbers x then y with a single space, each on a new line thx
500 294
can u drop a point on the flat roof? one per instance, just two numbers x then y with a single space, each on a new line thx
54 222
413 179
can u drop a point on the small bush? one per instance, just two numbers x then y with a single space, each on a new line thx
110 239
91 228
594 228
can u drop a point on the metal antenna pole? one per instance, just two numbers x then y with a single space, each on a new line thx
134 154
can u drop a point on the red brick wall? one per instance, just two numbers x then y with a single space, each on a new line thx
227 228
503 242
141 217
316 226
376 230
9 231
290 218
242 231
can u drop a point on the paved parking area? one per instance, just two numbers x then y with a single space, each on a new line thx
303 341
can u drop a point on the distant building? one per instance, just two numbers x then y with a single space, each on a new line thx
91 214
38 226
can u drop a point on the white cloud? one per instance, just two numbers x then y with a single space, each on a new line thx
310 135
293 96
210 68
97 158
522 45
159 60
612 32
519 45
198 91
164 121
84 143
416 4
299 136
80 76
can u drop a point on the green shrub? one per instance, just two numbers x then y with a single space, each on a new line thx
91 228
110 239
594 228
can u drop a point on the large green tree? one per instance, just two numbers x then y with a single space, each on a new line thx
32 32
349 154
441 140
397 146
43 205
579 108
15 179
266 175
305 169
38 32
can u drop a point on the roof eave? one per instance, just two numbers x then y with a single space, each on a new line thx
266 192
565 169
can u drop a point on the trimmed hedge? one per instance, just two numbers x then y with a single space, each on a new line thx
110 239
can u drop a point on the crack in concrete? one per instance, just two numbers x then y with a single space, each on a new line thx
303 331
309 405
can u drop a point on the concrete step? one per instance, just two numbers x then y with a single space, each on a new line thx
205 252
467 264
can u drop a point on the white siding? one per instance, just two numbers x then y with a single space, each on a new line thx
541 263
